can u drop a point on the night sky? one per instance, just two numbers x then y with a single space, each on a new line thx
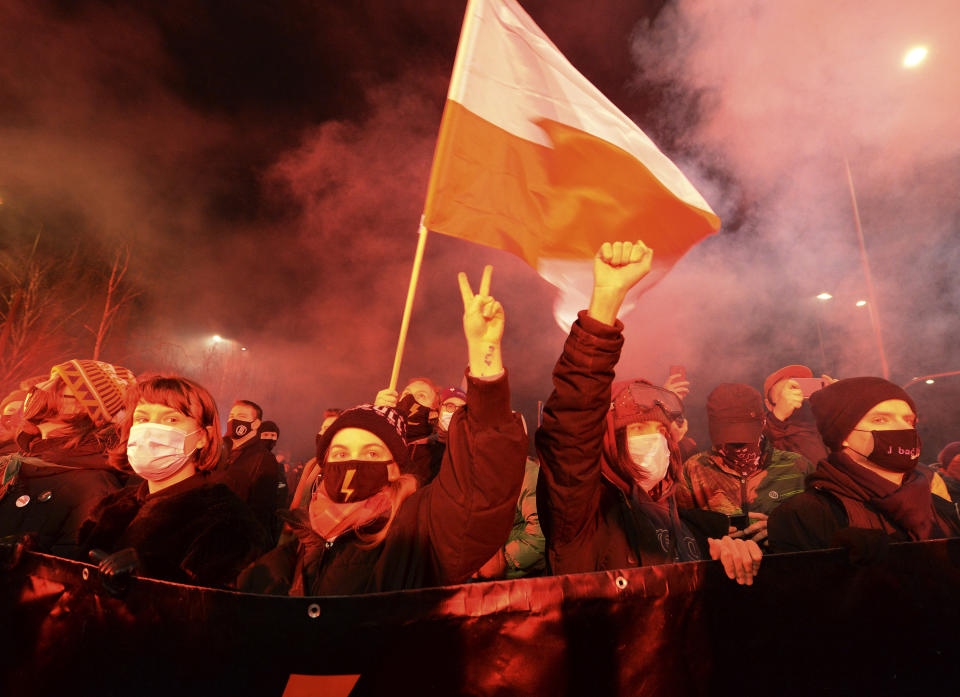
266 163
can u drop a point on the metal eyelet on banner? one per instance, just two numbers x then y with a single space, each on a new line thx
622 582
313 611
85 574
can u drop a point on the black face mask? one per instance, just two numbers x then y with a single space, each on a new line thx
417 417
346 481
897 451
238 429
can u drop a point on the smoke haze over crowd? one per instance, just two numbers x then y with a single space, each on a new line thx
267 168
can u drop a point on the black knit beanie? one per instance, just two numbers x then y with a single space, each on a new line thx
840 406
384 422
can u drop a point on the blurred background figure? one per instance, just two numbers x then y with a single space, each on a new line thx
269 435
61 470
250 470
428 454
790 425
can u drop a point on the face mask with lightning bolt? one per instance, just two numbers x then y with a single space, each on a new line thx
354 480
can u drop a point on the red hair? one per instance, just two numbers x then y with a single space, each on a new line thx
188 398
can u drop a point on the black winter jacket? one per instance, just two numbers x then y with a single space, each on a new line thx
193 532
253 474
50 491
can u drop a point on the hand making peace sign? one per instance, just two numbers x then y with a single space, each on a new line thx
483 321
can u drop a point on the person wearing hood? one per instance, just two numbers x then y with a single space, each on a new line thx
743 476
870 489
790 425
371 526
269 435
177 525
609 457
69 422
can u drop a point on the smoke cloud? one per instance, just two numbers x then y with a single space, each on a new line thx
267 171
782 95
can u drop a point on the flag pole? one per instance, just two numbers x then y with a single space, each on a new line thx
408 308
422 241
874 310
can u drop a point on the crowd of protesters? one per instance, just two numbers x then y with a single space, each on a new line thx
433 486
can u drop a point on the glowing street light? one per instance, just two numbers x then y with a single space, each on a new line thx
861 303
217 338
929 381
914 56
824 296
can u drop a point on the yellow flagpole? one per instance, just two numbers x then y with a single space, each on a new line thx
408 308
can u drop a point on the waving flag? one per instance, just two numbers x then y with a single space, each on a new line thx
533 159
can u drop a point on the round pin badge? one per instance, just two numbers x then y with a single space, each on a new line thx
774 495
23 501
45 496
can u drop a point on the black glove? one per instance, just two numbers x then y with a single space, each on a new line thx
116 569
863 546
12 548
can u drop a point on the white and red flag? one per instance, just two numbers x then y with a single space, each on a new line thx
533 159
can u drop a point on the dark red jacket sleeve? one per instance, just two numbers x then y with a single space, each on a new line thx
470 505
569 441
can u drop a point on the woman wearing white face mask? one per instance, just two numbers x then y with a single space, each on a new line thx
609 456
176 525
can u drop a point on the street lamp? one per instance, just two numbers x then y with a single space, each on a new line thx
824 296
914 56
861 303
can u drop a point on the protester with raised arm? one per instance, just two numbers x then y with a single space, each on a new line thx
370 527
609 458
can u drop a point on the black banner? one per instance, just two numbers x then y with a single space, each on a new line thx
812 623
